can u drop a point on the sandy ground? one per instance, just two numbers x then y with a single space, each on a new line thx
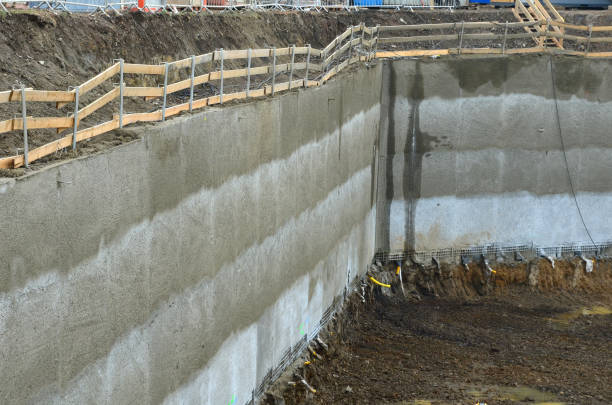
521 342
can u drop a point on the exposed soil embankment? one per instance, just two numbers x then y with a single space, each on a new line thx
53 52
527 334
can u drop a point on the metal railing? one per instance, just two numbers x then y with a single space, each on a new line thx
177 6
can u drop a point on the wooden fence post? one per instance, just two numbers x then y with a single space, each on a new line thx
248 83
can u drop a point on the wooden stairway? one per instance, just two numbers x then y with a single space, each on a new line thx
534 10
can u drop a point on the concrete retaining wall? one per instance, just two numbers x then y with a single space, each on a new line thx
474 156
180 268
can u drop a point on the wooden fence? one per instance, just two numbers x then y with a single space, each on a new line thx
284 69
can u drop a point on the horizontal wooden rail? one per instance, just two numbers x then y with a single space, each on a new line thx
37 95
456 37
343 50
595 28
457 26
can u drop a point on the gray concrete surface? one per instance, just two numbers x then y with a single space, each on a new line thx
474 155
180 267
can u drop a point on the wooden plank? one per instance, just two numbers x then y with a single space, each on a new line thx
143 91
228 74
96 80
456 26
599 55
42 96
5 96
552 8
207 57
97 130
241 54
260 70
143 69
283 52
176 109
412 52
141 117
178 86
99 103
257 93
43 122
7 162
65 141
455 37
201 79
200 103
261 53
315 52
602 28
284 86
335 42
6 126
180 64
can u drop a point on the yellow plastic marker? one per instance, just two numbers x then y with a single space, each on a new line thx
306 363
379 283
399 268
493 271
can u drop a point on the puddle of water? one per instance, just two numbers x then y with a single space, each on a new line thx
515 394
566 317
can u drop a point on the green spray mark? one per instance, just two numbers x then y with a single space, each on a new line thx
233 401
303 327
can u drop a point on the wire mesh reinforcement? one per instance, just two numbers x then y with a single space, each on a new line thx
587 249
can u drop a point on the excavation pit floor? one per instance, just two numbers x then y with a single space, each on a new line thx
515 347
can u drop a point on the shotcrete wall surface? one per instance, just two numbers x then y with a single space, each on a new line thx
182 267
179 268
473 153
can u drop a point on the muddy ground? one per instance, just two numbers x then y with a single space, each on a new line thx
46 51
515 339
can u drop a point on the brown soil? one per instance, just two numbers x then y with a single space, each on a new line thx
52 52
530 334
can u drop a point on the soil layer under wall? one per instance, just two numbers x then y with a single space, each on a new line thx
528 334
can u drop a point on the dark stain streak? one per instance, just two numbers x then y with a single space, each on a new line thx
416 144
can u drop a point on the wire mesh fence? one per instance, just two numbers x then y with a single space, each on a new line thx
176 6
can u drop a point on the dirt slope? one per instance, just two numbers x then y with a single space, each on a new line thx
52 52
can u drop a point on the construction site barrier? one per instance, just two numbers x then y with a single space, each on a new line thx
176 6
284 69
